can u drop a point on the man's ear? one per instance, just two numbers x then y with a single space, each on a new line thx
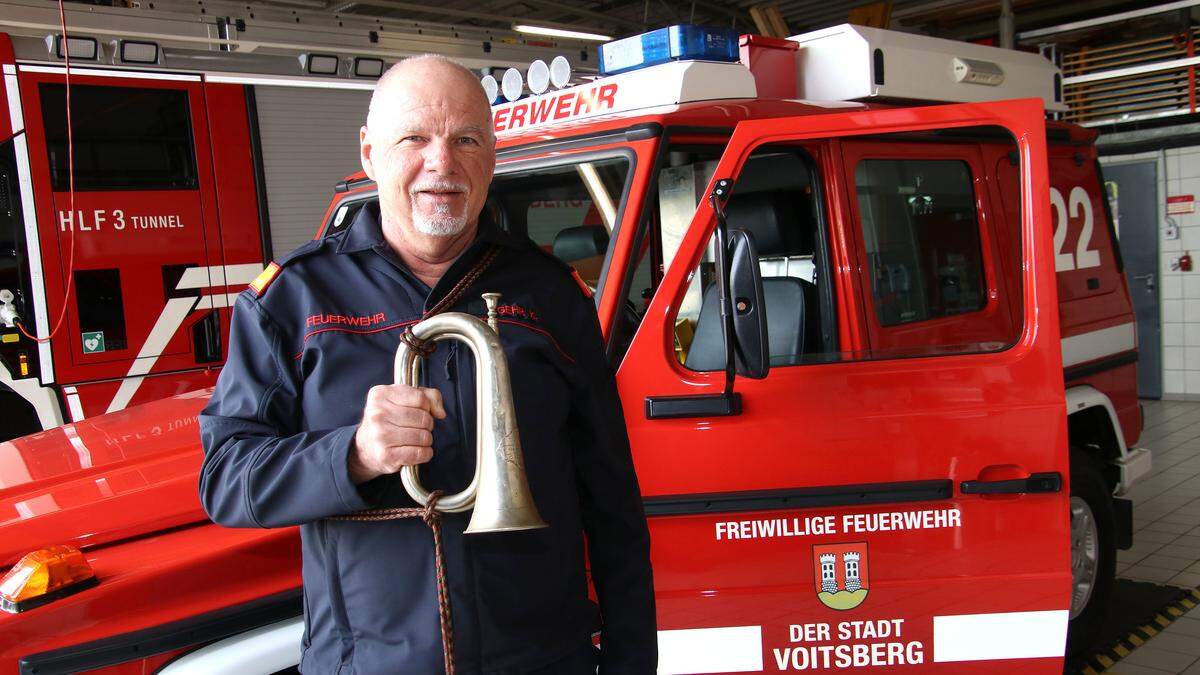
492 163
364 152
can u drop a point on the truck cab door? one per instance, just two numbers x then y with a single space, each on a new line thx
137 238
865 505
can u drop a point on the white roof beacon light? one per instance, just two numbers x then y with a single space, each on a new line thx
665 67
512 84
539 76
560 72
491 88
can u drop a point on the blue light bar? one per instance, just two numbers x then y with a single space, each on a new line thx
669 44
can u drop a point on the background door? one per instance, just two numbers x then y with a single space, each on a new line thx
1133 194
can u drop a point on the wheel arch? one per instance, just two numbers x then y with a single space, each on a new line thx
1092 426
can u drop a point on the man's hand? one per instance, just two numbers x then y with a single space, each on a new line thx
396 430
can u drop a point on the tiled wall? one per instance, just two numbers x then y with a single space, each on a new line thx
1179 292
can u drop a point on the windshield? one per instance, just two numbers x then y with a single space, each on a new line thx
569 209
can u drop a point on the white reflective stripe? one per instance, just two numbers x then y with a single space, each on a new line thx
236 275
1008 635
733 649
106 490
81 448
1095 344
14 101
84 71
198 277
10 69
261 651
284 81
168 322
216 301
33 249
173 315
73 404
219 275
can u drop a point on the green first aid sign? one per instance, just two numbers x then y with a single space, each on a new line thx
93 342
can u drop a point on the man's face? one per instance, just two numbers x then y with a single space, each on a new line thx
429 150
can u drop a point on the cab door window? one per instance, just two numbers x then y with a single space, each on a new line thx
934 261
568 209
101 309
125 138
921 236
775 199
920 267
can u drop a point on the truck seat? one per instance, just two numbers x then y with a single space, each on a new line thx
792 327
578 243
793 312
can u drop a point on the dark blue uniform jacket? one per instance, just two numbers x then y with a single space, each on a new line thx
277 431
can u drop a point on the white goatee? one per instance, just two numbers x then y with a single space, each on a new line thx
443 223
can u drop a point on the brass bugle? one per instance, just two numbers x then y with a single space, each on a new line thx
499 490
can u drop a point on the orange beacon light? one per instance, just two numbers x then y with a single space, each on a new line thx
43 576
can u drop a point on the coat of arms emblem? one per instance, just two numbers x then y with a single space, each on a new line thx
841 575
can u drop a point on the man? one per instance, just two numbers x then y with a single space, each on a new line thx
305 424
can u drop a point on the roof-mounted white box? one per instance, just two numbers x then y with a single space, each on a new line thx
851 63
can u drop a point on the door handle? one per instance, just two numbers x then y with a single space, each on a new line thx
1050 481
702 405
1147 277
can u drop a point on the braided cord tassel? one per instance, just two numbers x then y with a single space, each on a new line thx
434 520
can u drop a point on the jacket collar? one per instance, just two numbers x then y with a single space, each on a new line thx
366 232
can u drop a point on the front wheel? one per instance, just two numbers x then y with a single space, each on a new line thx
1093 548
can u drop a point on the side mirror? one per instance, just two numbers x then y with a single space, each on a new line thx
751 345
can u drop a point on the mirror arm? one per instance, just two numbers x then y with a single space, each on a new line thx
717 199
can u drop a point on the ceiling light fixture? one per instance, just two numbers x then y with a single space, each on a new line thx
561 32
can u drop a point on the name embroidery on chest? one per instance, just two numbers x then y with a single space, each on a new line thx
344 320
516 311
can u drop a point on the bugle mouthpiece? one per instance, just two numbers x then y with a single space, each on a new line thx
493 302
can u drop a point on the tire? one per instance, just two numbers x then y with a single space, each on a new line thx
1093 549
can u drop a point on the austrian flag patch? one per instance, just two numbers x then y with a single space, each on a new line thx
264 279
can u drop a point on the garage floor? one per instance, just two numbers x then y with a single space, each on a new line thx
1166 540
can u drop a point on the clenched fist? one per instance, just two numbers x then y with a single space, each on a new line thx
396 430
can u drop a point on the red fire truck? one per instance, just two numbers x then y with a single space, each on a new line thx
903 447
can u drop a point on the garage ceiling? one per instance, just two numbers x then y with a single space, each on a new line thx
959 19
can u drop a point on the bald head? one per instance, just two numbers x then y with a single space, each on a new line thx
422 72
429 146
